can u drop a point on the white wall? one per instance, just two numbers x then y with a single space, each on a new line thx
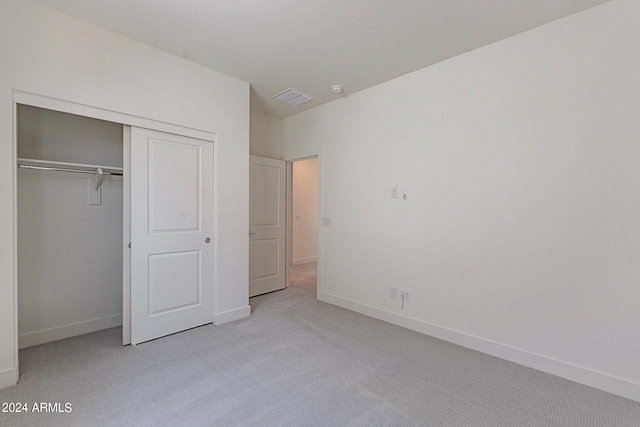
69 251
266 135
520 236
305 211
51 54
51 135
69 256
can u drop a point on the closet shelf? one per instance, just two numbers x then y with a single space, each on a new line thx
66 165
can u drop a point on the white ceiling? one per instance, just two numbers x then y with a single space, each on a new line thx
313 44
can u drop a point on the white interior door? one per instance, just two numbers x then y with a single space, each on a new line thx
171 232
267 225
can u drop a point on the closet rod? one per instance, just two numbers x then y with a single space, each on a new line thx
42 168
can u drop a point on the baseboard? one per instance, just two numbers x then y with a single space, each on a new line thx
306 260
231 315
579 374
66 331
8 377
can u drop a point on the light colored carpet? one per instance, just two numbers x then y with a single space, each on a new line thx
297 362
305 276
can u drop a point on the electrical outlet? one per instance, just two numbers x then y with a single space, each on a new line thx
405 294
393 292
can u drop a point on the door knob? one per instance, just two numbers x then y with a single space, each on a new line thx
207 240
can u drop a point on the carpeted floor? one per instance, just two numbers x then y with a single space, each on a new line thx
297 362
305 276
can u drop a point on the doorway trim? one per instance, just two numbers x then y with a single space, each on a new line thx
64 106
290 158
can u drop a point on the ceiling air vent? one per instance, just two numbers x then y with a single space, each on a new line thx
293 97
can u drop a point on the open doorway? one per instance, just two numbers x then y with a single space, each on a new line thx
304 224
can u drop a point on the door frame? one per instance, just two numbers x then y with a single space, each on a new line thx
290 158
66 106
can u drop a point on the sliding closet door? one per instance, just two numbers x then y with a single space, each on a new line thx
171 234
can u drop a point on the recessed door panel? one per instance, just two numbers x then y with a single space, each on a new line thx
174 204
174 281
265 253
266 195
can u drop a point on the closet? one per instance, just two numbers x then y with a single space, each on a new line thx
115 226
69 225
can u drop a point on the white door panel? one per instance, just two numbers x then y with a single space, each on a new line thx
173 203
267 229
171 230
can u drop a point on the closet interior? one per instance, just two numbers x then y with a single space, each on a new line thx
70 222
